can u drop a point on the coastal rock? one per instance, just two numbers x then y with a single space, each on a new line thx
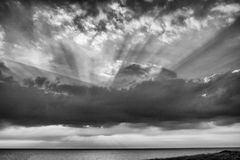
223 155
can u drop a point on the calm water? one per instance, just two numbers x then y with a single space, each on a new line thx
99 154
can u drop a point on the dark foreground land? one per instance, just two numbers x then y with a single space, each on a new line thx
224 155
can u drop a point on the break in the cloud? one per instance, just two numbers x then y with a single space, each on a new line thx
90 41
98 74
121 136
211 57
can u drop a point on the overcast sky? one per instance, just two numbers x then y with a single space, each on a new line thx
119 74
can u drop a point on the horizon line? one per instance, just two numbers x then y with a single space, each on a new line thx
132 148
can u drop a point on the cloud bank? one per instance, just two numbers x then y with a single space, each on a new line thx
170 103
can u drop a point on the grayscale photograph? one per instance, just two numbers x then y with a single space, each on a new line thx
120 80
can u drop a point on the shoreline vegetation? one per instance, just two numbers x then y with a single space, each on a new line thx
223 155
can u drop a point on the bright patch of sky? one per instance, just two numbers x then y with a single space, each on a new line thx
96 51
119 136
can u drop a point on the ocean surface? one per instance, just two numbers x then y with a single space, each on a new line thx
132 154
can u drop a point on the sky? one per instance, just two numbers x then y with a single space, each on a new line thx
119 73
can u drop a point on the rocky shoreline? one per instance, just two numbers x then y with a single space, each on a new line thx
223 155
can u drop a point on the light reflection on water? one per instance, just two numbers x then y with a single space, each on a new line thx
100 154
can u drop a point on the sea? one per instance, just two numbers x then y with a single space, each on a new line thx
102 154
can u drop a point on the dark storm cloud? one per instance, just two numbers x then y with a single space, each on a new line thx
3 67
171 104
142 6
4 76
201 7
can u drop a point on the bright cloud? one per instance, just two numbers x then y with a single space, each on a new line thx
119 136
